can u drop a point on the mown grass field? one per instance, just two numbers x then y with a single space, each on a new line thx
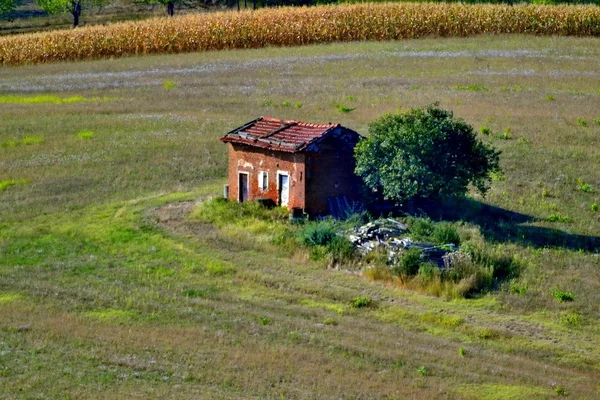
111 286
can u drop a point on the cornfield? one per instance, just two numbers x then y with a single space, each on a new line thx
297 26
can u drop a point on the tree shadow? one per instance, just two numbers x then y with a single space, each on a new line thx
500 225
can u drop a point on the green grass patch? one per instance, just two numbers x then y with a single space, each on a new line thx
562 296
362 302
112 315
5 184
9 298
558 217
217 268
343 109
168 85
85 135
27 141
503 392
471 88
48 99
325 305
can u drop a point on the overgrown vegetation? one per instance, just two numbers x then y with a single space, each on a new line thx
475 268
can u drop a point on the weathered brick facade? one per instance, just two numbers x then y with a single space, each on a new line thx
244 158
316 161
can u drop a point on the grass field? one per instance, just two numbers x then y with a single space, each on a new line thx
112 287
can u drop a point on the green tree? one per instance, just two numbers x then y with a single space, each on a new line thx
6 6
424 153
73 7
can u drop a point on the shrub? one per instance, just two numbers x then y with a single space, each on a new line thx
502 265
581 122
341 250
264 320
423 371
286 104
428 271
462 352
318 233
409 263
550 97
344 109
582 186
595 207
445 233
484 130
559 390
167 85
469 277
424 153
361 302
558 217
497 176
517 289
318 253
562 296
298 105
571 319
421 228
504 136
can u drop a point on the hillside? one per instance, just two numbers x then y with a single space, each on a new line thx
111 286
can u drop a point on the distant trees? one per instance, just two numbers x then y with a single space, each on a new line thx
170 4
424 153
6 6
73 7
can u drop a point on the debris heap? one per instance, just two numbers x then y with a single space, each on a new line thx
391 235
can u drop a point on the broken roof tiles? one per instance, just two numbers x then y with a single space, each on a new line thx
275 134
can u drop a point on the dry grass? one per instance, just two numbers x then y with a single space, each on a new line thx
298 26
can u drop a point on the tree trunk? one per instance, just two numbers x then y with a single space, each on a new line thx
238 1
254 4
170 8
245 4
76 11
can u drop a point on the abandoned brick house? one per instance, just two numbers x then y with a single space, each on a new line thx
299 165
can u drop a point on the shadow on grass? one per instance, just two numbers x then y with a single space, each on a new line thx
500 225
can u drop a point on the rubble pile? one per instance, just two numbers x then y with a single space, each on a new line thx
391 235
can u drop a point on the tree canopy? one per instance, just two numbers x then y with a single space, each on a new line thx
424 153
74 7
6 6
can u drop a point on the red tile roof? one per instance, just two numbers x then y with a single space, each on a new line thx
275 134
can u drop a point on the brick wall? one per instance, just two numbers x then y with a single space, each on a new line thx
254 160
330 173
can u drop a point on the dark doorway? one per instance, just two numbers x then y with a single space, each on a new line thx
242 187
